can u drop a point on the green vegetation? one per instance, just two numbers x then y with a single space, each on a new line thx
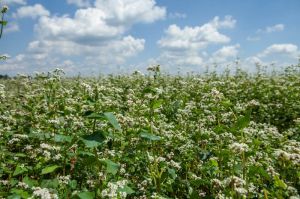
151 136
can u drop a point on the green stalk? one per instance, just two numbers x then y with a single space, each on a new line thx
2 20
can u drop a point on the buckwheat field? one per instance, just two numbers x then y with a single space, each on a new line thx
151 136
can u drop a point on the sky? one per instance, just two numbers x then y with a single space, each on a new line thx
92 37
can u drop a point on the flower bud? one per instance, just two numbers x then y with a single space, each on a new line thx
4 9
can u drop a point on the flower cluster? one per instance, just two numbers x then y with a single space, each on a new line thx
194 136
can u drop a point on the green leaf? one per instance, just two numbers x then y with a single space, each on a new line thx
73 184
111 167
52 183
156 104
4 23
29 181
150 136
112 120
95 116
172 173
86 195
62 138
126 189
20 192
49 169
279 183
243 121
90 144
94 140
19 170
14 196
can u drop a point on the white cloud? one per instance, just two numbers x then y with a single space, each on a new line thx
186 46
275 28
266 30
108 20
9 2
281 49
278 55
11 27
87 26
123 48
225 53
270 29
96 35
34 11
130 11
196 37
80 3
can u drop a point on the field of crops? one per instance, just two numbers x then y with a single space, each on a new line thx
151 136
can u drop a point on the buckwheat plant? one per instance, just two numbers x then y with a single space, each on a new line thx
151 136
3 23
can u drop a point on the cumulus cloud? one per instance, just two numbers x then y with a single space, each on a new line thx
80 3
277 55
196 37
34 11
95 35
282 49
225 53
270 29
266 30
183 46
128 12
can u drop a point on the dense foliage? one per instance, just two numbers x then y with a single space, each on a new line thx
153 136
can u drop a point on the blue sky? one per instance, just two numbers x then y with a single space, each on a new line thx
121 36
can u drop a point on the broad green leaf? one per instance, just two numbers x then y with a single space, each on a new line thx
156 104
94 140
126 189
29 181
95 116
19 170
226 103
52 183
20 192
172 173
49 169
20 155
111 167
73 184
14 196
91 143
86 195
150 136
279 183
62 138
4 23
243 121
112 120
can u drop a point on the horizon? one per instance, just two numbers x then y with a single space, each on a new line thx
122 36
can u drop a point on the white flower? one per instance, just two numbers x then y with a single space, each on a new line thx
64 179
4 9
23 185
47 154
43 193
239 147
57 156
241 191
175 164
